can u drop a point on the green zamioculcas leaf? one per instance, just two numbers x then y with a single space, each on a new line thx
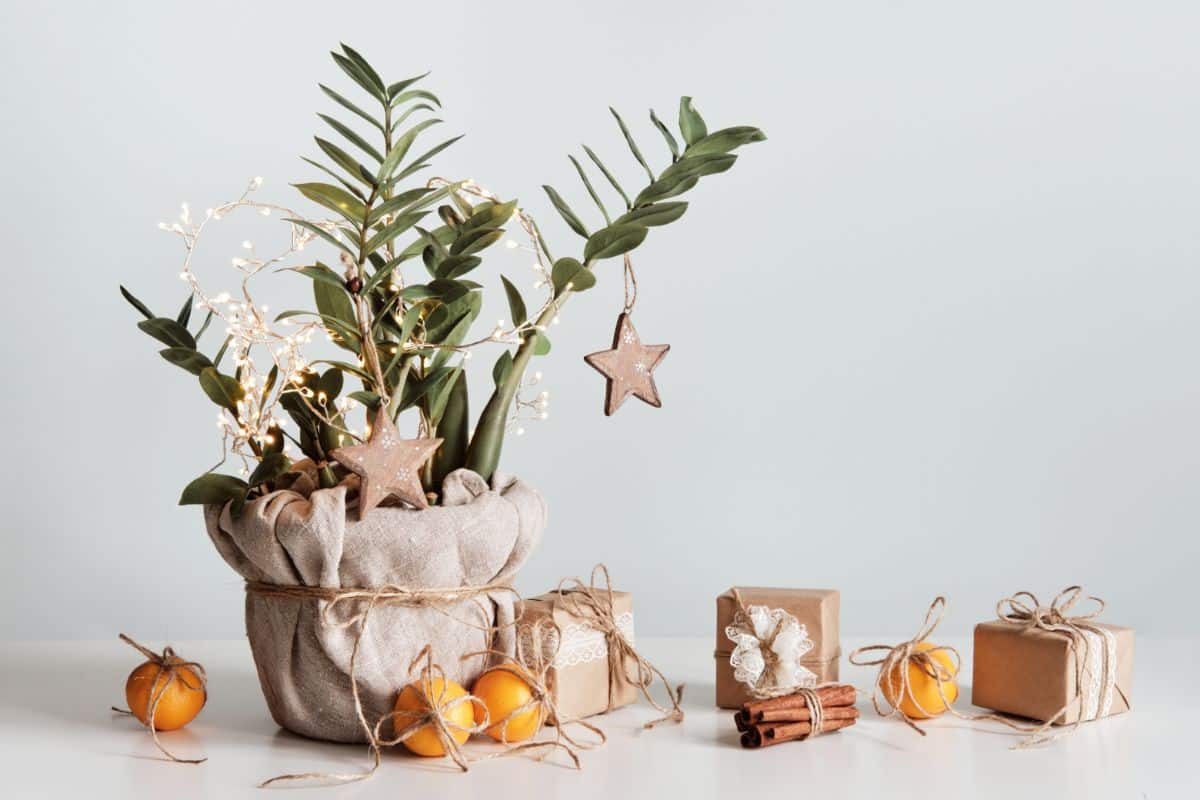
361 78
654 214
421 161
454 428
193 361
322 233
633 148
613 241
213 488
683 175
185 313
564 211
672 145
569 271
691 124
502 367
401 147
351 136
346 161
168 331
587 183
322 273
456 266
725 140
366 68
475 240
335 199
516 304
349 106
399 86
333 302
490 215
223 390
271 467
393 229
415 94
138 304
608 175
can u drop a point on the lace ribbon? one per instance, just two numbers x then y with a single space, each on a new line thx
768 646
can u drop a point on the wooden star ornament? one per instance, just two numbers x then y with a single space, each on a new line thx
629 367
387 465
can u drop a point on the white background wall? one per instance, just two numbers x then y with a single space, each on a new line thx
938 335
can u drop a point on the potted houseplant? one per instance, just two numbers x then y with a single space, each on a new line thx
331 502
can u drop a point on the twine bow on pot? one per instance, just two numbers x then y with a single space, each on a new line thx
172 666
768 645
592 603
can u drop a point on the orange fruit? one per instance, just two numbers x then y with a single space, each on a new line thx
503 692
459 718
180 701
922 688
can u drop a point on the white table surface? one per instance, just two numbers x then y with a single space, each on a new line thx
59 739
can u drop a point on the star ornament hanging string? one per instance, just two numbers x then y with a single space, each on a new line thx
629 366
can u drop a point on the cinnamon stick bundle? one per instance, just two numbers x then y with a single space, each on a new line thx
767 734
793 707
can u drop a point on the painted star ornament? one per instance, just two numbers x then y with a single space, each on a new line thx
388 465
629 367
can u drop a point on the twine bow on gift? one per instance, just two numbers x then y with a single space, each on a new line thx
172 666
592 603
1023 609
768 646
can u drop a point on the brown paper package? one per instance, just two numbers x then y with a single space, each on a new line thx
1031 672
816 609
580 688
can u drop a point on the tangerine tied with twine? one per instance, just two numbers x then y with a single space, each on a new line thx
164 693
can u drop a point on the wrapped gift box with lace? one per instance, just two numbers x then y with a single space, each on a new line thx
589 674
772 641
1053 663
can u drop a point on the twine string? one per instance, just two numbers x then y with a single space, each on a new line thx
593 603
631 286
170 664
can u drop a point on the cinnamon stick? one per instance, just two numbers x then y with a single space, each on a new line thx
765 735
805 715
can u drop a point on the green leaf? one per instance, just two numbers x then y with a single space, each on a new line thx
588 184
683 174
454 338
368 399
454 429
604 170
223 390
168 331
187 358
691 124
397 203
672 145
414 94
361 78
400 86
726 140
516 305
457 265
322 273
502 368
569 271
335 199
566 213
475 240
322 233
204 325
333 302
541 344
401 147
490 215
213 488
352 136
613 241
366 68
346 161
350 187
393 229
351 107
408 112
633 148
138 304
185 313
654 214
271 467
331 389
221 352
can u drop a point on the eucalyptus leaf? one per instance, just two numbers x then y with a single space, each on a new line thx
569 271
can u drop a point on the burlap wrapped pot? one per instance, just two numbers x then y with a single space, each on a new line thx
478 535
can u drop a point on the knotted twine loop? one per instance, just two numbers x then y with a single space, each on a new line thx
593 604
537 647
390 594
770 657
1024 610
172 665
897 659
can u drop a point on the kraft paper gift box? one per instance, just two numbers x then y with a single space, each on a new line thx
816 609
579 678
1031 672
